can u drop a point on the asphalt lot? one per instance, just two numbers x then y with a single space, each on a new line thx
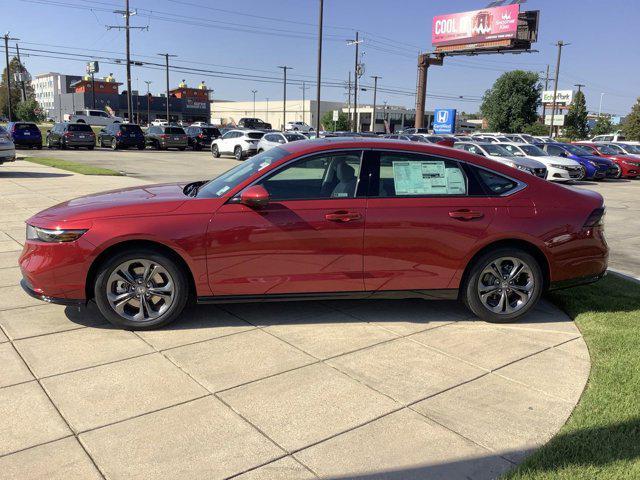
623 211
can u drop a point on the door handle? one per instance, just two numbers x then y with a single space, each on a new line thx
342 216
465 214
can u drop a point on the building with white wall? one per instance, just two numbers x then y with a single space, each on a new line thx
48 86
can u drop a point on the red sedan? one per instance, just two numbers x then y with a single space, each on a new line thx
628 165
343 218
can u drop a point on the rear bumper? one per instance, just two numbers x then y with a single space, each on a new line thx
70 142
575 282
27 142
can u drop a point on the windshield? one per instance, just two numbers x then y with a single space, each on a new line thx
232 178
577 150
533 151
130 128
497 150
211 131
632 148
174 130
79 127
26 126
606 150
256 135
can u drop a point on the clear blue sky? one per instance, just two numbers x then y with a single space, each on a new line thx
236 37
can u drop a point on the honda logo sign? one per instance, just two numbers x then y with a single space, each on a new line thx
444 120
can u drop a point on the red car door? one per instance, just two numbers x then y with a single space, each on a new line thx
421 221
308 239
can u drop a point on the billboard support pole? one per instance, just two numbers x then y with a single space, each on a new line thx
425 60
560 44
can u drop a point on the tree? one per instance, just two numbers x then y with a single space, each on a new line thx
631 126
603 126
576 126
328 123
536 129
16 88
29 111
512 101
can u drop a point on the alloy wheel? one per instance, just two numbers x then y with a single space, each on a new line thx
506 285
140 290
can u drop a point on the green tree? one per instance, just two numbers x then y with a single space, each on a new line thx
537 129
328 124
29 111
576 126
631 126
603 126
16 90
512 101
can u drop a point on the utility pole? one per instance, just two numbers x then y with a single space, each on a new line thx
267 113
560 44
284 95
254 102
148 82
22 86
600 107
166 63
425 60
319 74
356 69
579 85
6 54
304 88
349 103
546 87
375 92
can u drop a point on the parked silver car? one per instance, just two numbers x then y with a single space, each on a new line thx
7 148
502 155
274 139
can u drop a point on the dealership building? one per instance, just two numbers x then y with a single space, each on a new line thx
73 94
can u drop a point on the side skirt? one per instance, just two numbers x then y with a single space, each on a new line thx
442 294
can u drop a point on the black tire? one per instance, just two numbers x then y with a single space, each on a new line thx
90 147
49 144
215 151
114 144
63 145
197 147
237 153
619 172
182 149
471 297
39 147
260 150
178 276
101 142
141 147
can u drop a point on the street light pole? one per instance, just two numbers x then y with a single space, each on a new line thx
357 43
6 53
148 82
254 102
304 89
319 74
600 107
166 62
284 95
560 44
375 92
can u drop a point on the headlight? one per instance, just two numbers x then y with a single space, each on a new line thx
592 163
523 168
52 236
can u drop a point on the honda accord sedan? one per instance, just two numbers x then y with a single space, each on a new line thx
324 219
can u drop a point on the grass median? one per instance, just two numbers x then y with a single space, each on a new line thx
602 437
72 166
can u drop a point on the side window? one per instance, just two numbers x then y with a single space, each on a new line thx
406 175
270 137
553 150
321 177
495 183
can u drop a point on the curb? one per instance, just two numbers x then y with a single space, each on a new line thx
626 276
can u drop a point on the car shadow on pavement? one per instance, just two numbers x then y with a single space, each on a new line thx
587 449
32 175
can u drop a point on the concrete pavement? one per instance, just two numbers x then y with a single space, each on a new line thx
385 389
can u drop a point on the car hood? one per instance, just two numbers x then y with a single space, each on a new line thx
522 161
557 160
143 200
595 159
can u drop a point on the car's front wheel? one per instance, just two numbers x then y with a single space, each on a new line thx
215 151
141 289
237 153
503 285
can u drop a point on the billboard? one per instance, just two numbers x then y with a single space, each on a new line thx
444 120
563 97
477 26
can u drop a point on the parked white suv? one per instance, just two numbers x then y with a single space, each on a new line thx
93 117
240 143
273 139
298 127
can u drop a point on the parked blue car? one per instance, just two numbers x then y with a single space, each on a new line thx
25 134
595 168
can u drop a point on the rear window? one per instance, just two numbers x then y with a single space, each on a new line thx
211 131
174 130
130 128
256 135
79 127
30 127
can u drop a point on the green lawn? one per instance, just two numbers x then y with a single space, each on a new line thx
72 166
601 440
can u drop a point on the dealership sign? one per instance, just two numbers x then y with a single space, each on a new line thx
558 120
444 120
486 25
563 97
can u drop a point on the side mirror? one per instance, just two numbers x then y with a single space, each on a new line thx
48 131
255 196
564 154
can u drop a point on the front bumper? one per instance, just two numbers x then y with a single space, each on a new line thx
40 296
8 155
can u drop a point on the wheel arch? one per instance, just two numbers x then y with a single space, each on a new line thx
138 243
525 245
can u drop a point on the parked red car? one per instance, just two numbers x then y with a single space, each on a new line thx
330 218
628 165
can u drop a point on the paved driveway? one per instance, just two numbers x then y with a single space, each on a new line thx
385 389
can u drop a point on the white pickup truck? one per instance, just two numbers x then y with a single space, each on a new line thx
93 117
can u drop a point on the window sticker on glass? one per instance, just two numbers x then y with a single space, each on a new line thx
264 164
222 190
419 178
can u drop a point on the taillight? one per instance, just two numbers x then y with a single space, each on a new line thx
200 135
119 134
164 135
67 134
595 218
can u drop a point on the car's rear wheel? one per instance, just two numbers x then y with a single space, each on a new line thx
237 153
141 289
114 144
215 151
182 149
503 285
49 144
